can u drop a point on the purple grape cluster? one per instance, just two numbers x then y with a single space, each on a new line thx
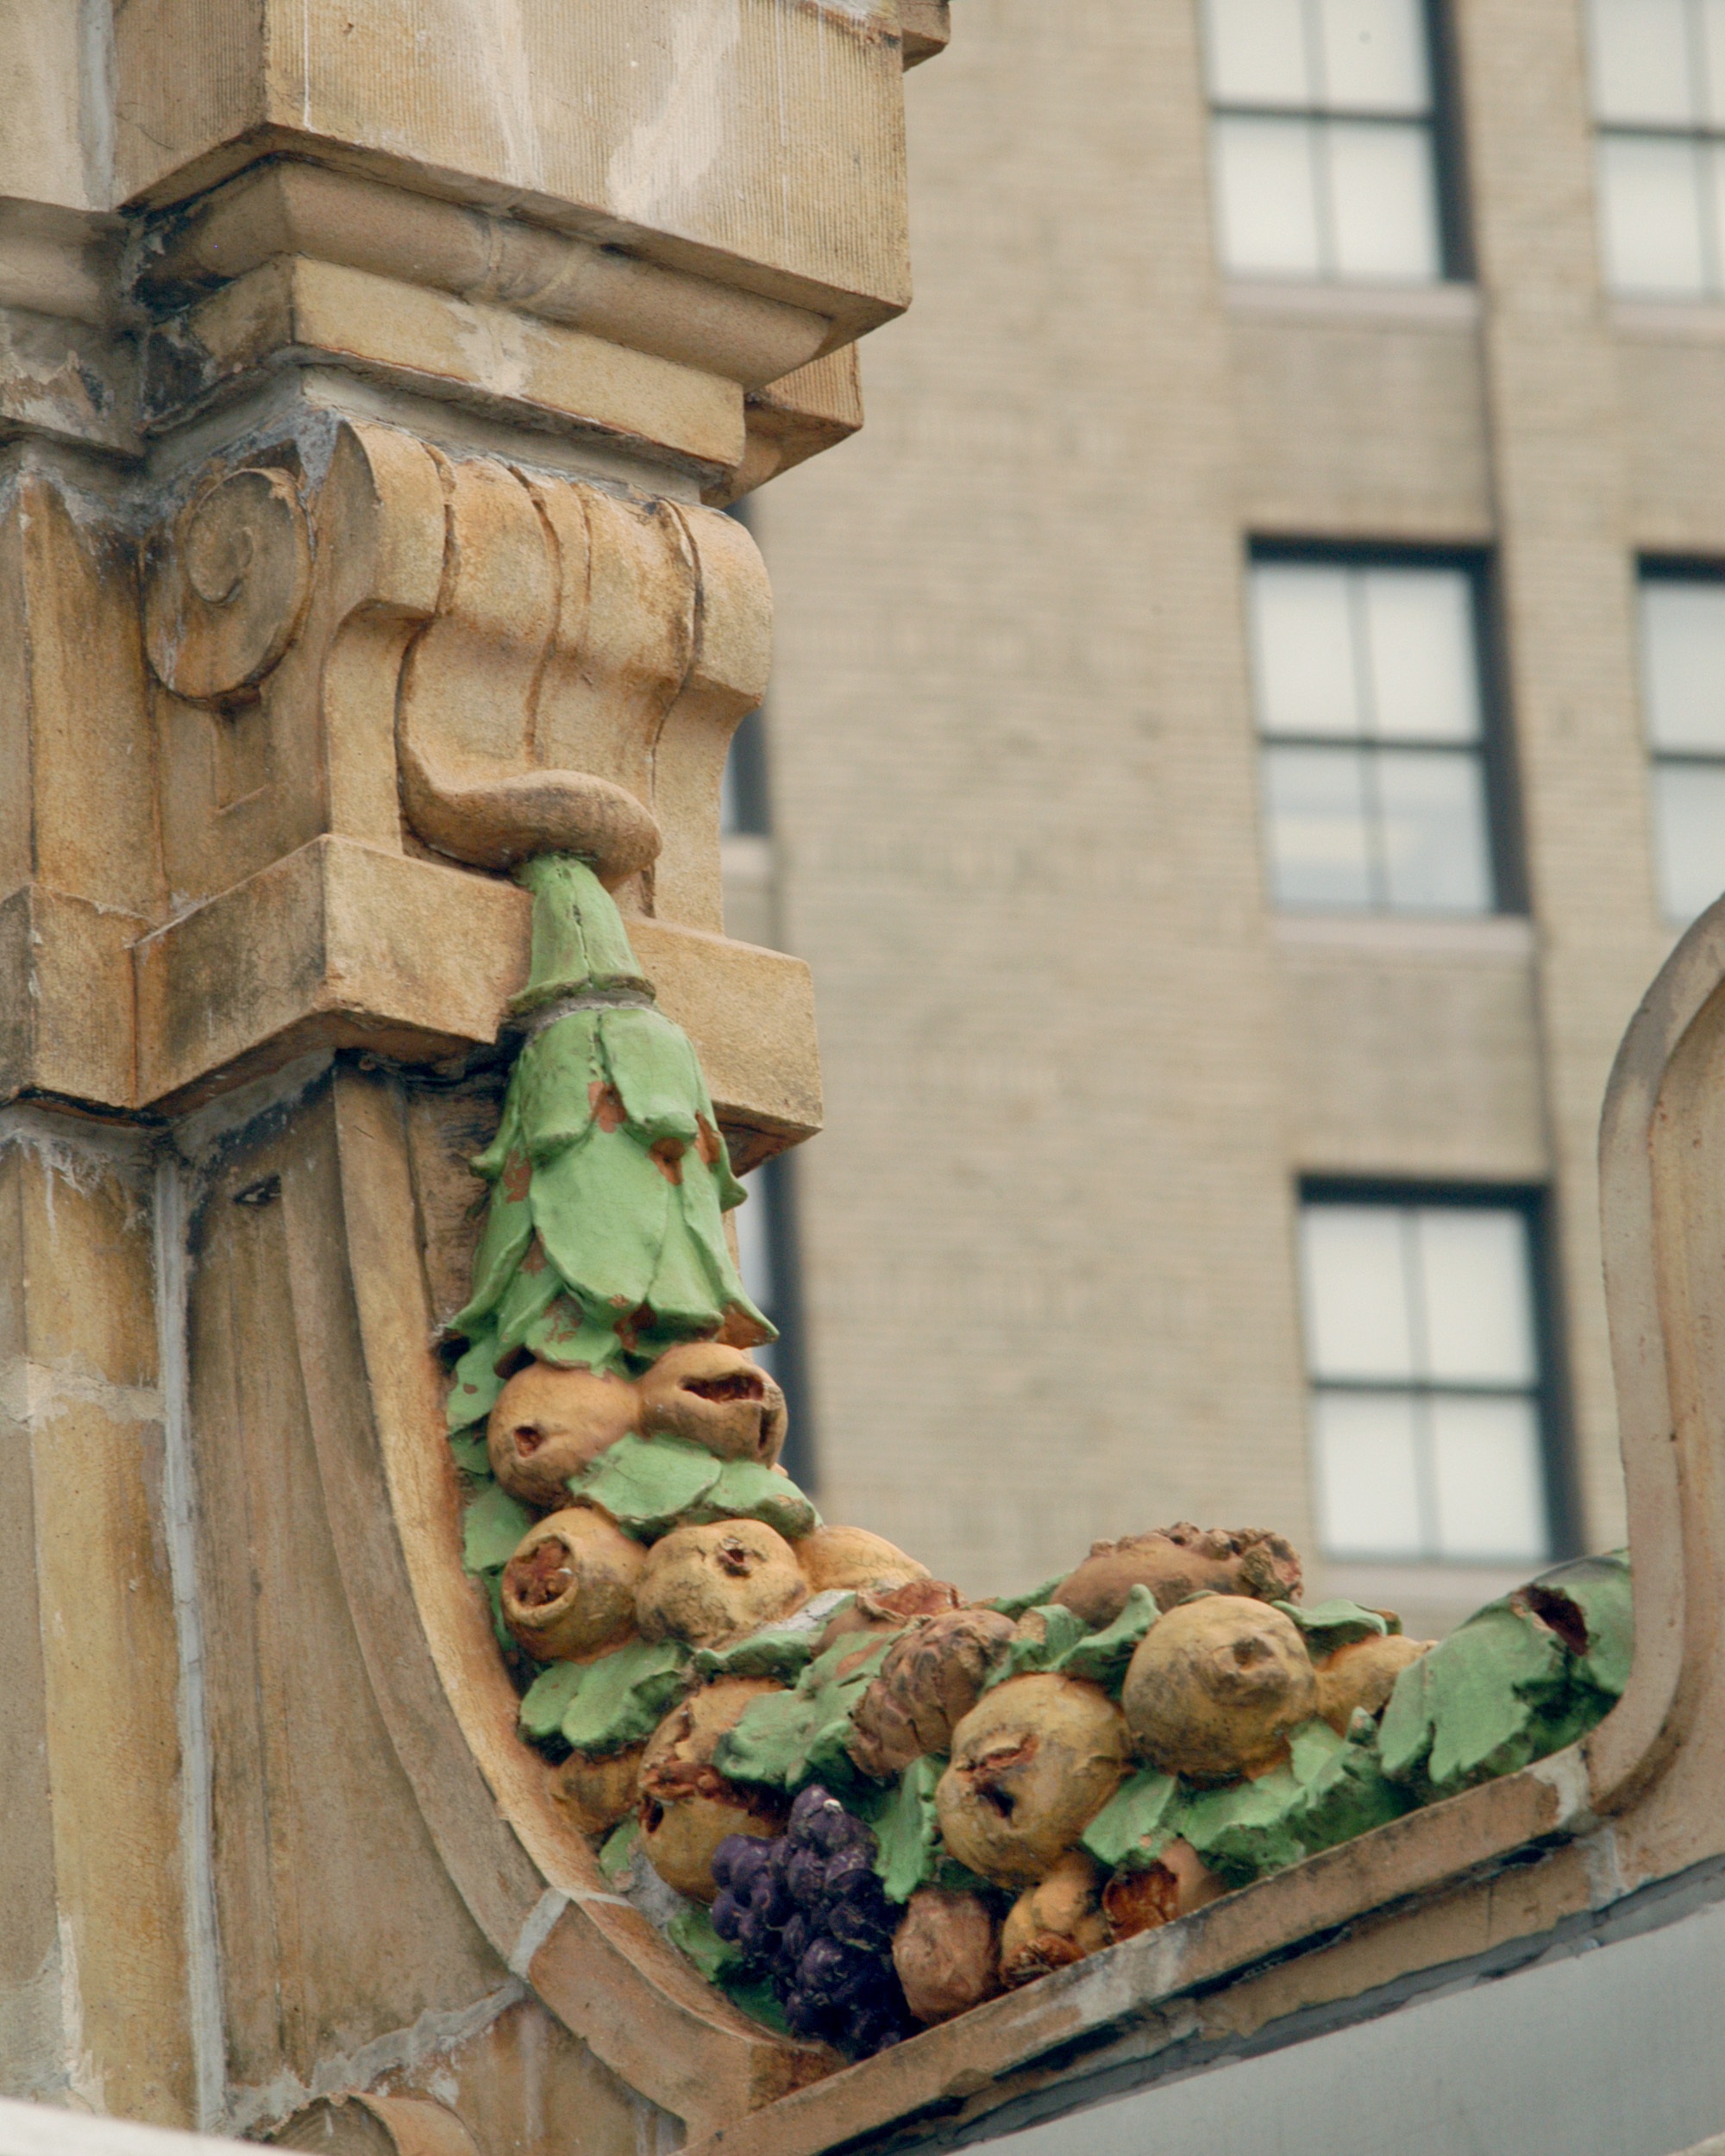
811 1915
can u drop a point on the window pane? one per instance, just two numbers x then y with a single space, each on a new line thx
1475 1295
1711 100
1374 55
1650 205
1353 1271
1432 827
1419 635
1316 814
1683 662
1688 836
1367 1475
1489 1480
1303 650
1266 202
1640 60
1256 51
1383 201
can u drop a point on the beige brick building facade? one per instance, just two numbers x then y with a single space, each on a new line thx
1079 1067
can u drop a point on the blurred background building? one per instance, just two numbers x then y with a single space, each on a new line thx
1249 721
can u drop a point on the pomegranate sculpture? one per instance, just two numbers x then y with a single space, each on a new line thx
860 1801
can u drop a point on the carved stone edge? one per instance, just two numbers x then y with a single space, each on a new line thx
374 1393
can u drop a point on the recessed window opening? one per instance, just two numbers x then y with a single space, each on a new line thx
1324 139
1430 1403
1658 95
1683 697
1371 714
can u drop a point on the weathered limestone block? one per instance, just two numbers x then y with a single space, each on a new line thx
94 2003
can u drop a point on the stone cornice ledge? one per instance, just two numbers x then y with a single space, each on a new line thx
344 945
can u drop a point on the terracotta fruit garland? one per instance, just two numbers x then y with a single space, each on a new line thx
859 1801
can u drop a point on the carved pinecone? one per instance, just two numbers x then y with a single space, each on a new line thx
929 1681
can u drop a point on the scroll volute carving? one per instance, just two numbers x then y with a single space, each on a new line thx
226 585
457 655
578 689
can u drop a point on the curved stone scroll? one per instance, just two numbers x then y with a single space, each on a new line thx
535 708
486 660
362 1316
225 588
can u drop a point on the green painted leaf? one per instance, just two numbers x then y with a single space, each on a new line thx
1016 1605
782 1650
600 1209
474 1386
1330 1625
1045 1634
471 1456
784 1739
746 1491
907 1829
1129 1829
616 1851
1472 1708
691 1931
1101 1657
1599 1589
547 1699
755 1997
647 1484
621 1698
492 1529
655 1070
553 1080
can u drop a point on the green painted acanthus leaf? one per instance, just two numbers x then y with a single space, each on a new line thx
603 1242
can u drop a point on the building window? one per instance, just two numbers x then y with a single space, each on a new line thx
1368 688
1422 1345
1658 94
1683 690
1323 139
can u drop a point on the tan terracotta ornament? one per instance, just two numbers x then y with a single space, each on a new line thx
1179 1561
593 1794
687 1807
714 1396
548 1424
1054 1923
1216 1687
1363 1674
947 1953
928 1684
713 1584
1178 1882
569 1590
1032 1764
852 1558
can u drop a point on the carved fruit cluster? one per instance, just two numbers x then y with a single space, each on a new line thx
880 1804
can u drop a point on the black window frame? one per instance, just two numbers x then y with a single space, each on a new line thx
1441 120
1496 748
1669 568
1553 1393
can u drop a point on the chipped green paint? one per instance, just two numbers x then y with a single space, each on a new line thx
785 1739
1055 1639
649 1485
1508 1687
1327 1626
1130 1831
603 1242
782 1651
907 1830
603 1707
